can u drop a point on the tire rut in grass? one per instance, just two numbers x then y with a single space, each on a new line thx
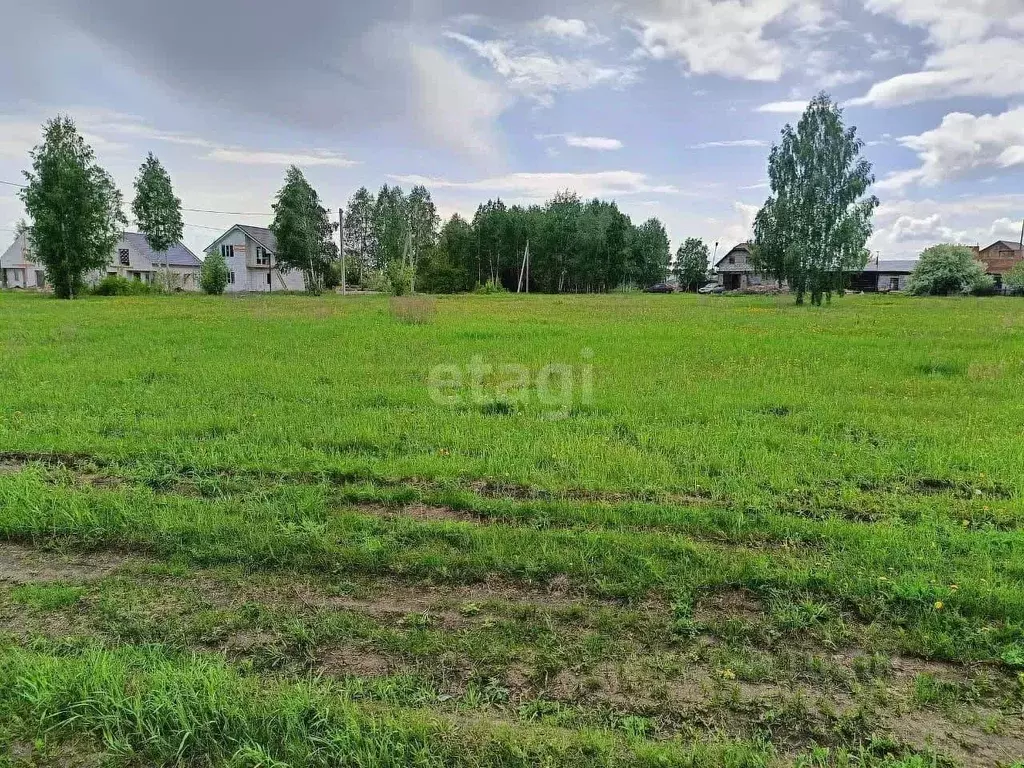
23 565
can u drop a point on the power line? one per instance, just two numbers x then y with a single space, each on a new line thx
227 213
189 210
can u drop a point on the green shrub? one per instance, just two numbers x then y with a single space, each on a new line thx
213 276
115 285
400 276
949 269
378 282
1014 281
491 286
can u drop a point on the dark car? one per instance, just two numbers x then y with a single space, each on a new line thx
659 288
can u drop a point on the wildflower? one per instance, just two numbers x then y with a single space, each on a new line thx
728 674
939 605
954 587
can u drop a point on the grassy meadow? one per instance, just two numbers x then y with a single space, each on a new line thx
511 531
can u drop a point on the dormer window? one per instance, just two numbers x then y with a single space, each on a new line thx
124 257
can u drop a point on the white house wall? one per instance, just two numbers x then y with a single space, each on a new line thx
251 278
18 272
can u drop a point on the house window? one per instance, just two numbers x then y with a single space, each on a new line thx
231 278
732 259
40 278
262 256
228 252
124 256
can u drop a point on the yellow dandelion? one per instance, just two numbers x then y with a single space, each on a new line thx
939 605
728 674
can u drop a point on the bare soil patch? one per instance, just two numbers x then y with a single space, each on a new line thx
355 662
731 604
22 565
967 744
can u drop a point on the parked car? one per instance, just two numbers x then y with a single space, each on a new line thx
659 288
711 288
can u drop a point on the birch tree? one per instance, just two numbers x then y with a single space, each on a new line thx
813 228
73 206
304 232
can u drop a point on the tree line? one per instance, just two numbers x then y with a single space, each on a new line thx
568 245
810 233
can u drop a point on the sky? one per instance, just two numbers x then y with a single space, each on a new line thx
669 107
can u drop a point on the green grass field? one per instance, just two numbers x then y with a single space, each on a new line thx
259 532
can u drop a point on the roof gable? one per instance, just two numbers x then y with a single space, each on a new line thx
178 255
743 248
261 235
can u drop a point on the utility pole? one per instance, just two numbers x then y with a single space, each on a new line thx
341 241
522 270
1022 236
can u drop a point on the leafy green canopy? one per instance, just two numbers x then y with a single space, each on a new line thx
949 269
1015 279
691 265
575 246
304 233
73 207
813 228
213 277
157 210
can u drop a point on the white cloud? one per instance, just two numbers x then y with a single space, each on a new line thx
543 186
908 228
455 107
990 68
600 143
961 145
783 107
952 21
728 37
905 227
730 143
262 157
539 74
575 30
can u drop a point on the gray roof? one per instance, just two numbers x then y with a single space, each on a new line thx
1005 243
261 235
175 256
892 267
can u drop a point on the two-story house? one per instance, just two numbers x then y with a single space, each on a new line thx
999 258
132 258
249 254
736 270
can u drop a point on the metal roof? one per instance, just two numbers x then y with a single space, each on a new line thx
261 235
176 256
893 266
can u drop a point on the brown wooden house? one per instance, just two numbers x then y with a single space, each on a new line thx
999 258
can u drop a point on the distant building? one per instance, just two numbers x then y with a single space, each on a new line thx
883 276
736 271
249 253
131 258
17 270
999 258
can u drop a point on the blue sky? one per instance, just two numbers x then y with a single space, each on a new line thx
668 106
